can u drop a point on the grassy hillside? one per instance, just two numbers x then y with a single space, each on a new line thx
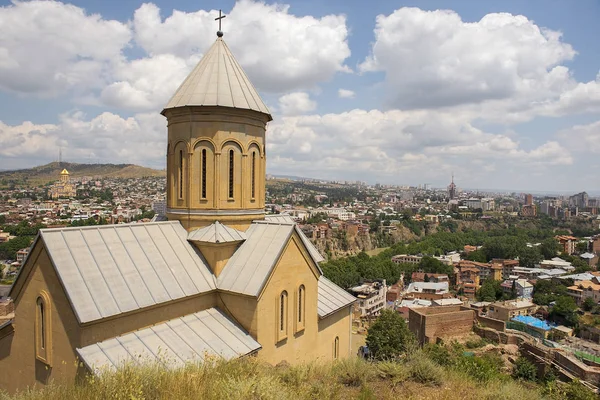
50 172
417 377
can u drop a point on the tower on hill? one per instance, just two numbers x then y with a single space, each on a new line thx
216 161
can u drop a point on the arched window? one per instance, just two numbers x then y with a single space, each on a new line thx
253 174
43 330
282 316
336 348
203 175
301 308
180 177
231 155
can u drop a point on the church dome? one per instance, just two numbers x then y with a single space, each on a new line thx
218 80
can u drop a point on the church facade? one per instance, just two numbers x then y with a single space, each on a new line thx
64 187
218 279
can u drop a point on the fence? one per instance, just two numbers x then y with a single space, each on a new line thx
586 356
519 326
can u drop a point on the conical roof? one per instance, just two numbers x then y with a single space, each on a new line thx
218 80
64 172
216 233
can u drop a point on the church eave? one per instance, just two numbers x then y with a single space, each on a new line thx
188 108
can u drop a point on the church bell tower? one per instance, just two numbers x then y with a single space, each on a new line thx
216 162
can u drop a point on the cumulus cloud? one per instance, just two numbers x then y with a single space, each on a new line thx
104 138
434 59
296 103
49 47
397 146
582 138
346 94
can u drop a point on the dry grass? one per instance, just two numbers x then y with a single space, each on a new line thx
416 378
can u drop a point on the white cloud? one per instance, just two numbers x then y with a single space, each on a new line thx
49 47
399 146
278 50
434 59
346 94
296 103
105 138
582 138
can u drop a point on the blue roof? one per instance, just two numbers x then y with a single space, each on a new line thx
534 322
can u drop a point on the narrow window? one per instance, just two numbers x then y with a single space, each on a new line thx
253 174
203 173
300 303
181 174
336 348
230 173
43 329
282 323
42 324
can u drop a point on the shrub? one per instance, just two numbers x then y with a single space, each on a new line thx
422 370
524 369
353 371
389 336
482 368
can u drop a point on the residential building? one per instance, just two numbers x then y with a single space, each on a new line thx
160 207
567 243
509 309
582 290
22 255
372 297
406 259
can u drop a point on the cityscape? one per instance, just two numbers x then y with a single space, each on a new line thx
208 204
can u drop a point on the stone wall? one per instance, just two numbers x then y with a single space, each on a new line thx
431 323
491 323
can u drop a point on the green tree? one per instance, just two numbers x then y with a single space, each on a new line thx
549 248
564 310
389 336
588 304
529 256
524 370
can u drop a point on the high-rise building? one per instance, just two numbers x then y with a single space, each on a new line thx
528 199
452 189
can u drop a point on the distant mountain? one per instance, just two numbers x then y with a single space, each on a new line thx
50 172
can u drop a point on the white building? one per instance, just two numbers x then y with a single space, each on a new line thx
160 207
371 298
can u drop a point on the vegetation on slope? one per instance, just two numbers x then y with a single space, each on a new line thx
48 173
415 377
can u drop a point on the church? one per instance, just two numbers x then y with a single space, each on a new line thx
64 187
219 278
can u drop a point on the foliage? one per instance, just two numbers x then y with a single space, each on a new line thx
549 248
425 371
389 336
546 291
524 369
89 222
316 218
490 290
564 311
8 250
588 304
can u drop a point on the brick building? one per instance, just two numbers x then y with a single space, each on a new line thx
430 323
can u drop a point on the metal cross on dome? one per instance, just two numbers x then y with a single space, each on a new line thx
220 33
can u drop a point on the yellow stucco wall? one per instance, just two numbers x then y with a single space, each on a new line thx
20 360
217 131
315 342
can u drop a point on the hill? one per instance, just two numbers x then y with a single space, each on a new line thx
48 173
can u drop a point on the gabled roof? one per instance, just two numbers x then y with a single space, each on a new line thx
331 297
112 269
218 80
189 339
250 266
216 233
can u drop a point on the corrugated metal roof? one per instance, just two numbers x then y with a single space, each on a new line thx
218 80
279 219
174 343
331 297
111 269
216 233
286 219
250 266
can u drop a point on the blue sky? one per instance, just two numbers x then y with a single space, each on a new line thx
503 93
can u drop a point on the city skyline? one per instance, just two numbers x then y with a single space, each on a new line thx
354 97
